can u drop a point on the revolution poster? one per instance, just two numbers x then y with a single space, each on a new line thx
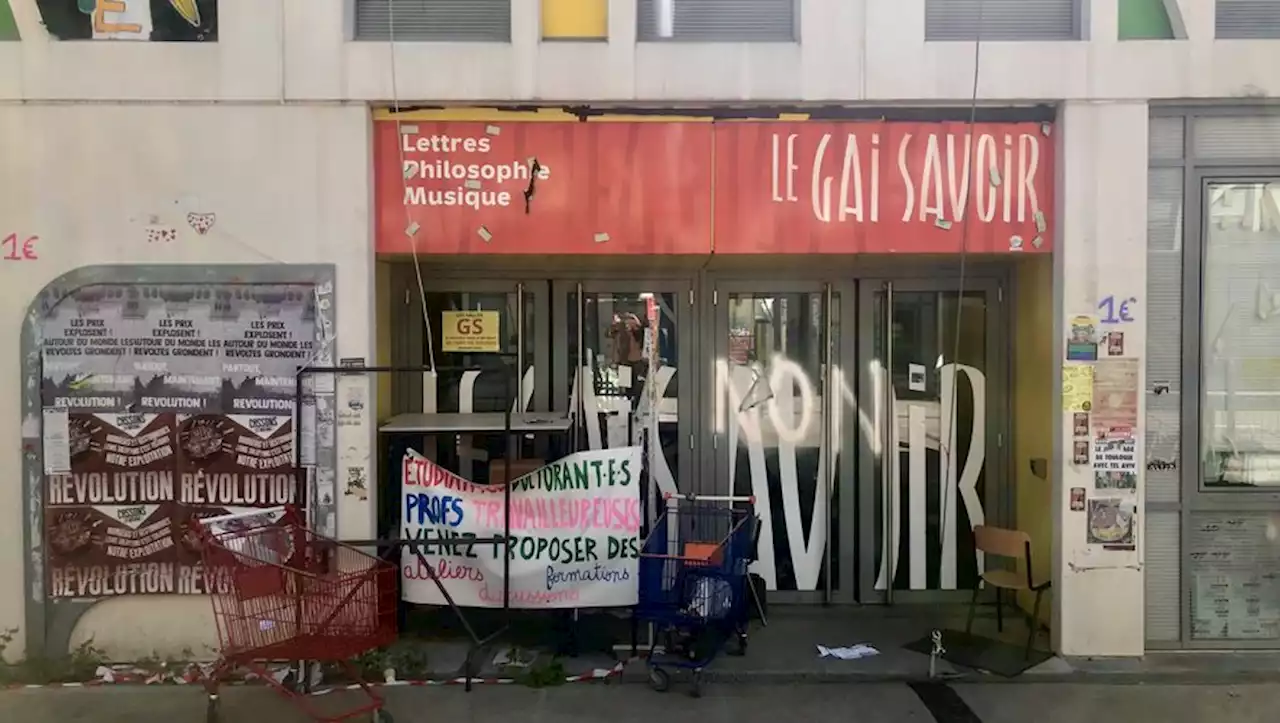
108 522
575 527
180 407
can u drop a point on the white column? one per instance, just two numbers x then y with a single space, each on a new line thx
1100 251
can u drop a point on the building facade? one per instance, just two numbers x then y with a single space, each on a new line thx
250 156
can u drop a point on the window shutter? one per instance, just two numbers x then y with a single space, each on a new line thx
1002 19
717 20
1247 19
434 20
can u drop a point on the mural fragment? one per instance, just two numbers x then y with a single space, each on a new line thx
157 20
8 28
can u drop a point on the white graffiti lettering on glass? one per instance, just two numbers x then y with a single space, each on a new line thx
794 417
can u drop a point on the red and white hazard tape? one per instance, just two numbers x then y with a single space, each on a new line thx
127 676
596 674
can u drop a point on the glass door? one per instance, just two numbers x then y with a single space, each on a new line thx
623 351
465 381
777 429
475 382
932 358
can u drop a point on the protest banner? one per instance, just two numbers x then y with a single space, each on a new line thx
575 527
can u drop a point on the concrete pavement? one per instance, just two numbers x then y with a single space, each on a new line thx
625 703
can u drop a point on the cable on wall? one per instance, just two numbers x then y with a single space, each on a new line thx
411 227
946 445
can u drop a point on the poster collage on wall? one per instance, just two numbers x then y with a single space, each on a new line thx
1100 387
164 404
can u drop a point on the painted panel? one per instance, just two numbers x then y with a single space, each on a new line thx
157 20
8 28
591 188
575 19
881 187
1145 20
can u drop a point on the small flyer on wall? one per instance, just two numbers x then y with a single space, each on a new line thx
1115 398
1082 339
1112 523
1080 452
1115 480
1115 455
1080 425
1077 387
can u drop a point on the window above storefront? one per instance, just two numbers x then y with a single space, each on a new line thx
718 21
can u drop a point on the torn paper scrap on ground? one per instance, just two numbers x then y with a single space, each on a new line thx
850 653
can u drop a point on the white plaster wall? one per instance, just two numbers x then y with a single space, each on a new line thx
850 50
289 184
1102 250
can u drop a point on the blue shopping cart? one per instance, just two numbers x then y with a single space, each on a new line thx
693 584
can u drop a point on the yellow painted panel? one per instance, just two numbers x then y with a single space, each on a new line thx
575 19
1033 406
382 326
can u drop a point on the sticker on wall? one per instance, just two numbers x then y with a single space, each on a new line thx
1115 455
1082 340
1080 452
470 331
1112 523
201 223
1115 480
1115 343
1080 425
357 484
1077 499
1115 398
56 440
916 377
1077 388
157 233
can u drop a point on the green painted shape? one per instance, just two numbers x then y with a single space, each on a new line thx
1144 20
8 27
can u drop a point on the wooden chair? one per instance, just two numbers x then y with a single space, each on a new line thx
519 468
1016 545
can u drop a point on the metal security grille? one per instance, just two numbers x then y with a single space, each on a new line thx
1002 19
1239 138
1163 580
717 20
434 20
1165 213
1247 19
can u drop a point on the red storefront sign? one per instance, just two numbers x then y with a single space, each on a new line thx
600 188
882 187
779 188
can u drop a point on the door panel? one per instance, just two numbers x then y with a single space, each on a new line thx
775 430
620 348
487 383
938 458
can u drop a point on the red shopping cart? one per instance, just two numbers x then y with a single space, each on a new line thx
283 593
